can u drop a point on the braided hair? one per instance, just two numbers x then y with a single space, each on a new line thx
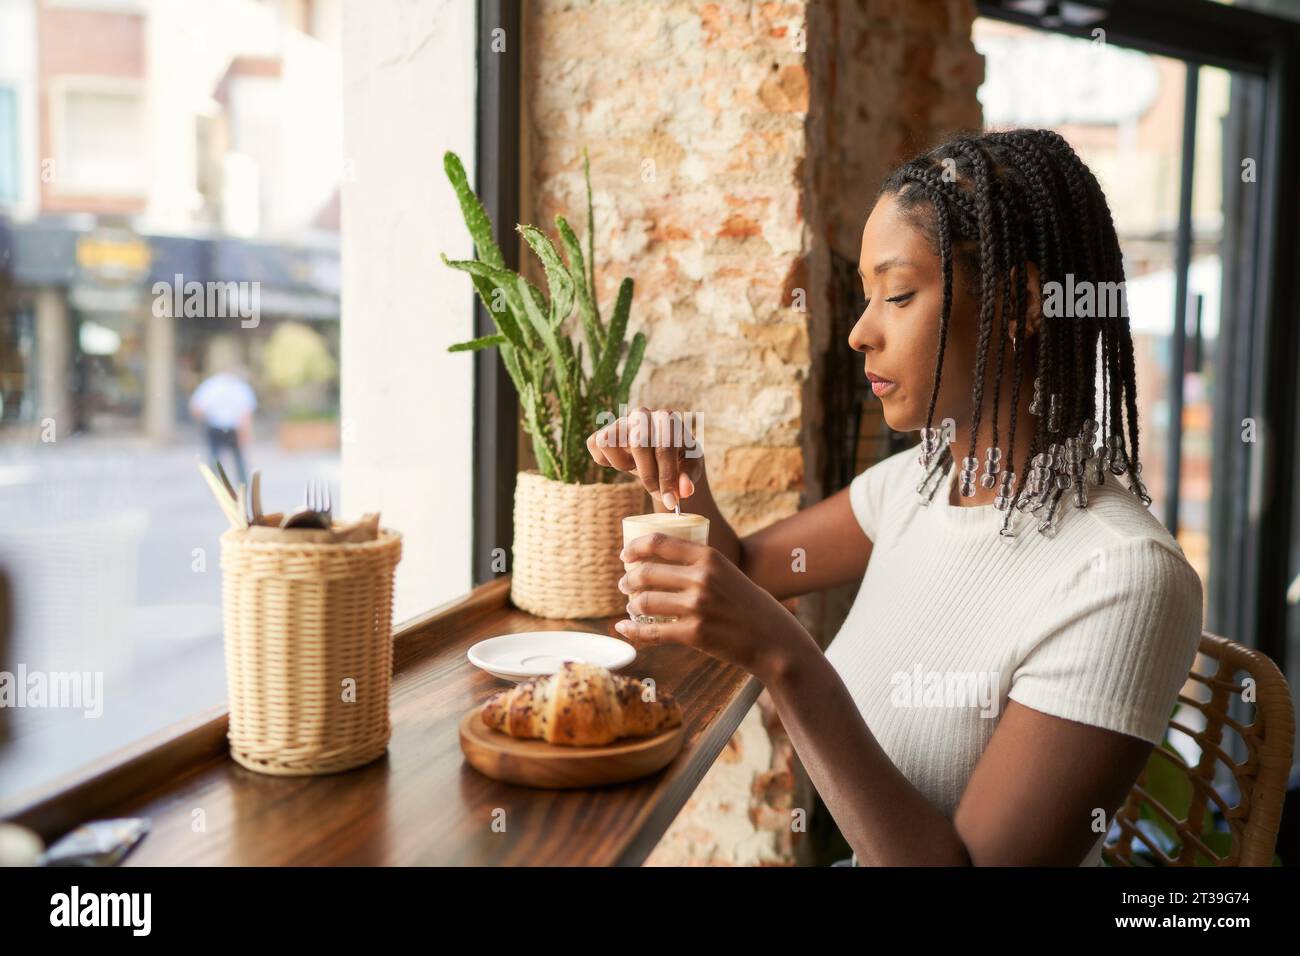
1000 201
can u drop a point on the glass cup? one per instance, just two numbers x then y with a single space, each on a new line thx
690 527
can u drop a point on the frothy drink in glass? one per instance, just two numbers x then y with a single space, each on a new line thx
691 527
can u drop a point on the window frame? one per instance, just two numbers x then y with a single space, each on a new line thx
68 84
497 175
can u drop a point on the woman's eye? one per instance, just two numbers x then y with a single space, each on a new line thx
900 299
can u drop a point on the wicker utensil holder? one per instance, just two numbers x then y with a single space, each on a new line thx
567 539
309 651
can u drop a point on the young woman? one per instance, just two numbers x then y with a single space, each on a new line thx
1023 624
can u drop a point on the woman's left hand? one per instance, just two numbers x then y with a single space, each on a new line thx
719 610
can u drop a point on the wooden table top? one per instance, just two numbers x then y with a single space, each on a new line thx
421 804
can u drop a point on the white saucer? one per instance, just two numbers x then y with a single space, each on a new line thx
528 654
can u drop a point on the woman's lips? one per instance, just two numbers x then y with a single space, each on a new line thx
881 386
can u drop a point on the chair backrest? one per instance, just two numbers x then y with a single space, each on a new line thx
1260 778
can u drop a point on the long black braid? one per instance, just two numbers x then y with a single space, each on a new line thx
989 257
1000 201
1123 344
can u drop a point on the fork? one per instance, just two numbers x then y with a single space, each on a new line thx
316 510
317 496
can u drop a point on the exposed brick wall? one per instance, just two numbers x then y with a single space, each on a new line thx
693 116
890 78
732 146
752 807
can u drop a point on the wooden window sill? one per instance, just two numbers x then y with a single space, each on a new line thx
420 804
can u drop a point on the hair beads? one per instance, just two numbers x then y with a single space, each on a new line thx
968 466
1023 199
1004 499
930 439
992 456
934 476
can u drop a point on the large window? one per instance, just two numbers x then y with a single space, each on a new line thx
180 150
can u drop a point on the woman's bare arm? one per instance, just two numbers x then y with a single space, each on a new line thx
1040 791
820 547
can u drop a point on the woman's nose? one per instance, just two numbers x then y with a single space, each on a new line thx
863 337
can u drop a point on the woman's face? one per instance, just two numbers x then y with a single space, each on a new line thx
899 330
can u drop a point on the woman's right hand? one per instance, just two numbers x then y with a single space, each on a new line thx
657 447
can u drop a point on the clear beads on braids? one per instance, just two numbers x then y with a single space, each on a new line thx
936 467
930 441
1006 494
1116 457
992 462
1135 485
1036 404
968 467
1067 466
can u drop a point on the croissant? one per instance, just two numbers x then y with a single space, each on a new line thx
581 705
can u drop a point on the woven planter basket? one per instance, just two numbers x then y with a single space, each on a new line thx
301 619
567 540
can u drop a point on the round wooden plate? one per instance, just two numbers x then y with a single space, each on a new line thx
535 763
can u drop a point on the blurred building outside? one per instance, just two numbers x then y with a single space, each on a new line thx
147 151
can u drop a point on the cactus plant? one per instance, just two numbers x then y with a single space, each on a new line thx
560 399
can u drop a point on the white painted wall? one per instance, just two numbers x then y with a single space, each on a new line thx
409 88
18 71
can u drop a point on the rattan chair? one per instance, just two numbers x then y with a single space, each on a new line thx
1260 778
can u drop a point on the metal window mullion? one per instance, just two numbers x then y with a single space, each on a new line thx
1182 268
495 456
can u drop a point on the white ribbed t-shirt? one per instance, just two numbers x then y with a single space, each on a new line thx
1098 624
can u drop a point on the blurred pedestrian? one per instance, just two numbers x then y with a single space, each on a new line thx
224 404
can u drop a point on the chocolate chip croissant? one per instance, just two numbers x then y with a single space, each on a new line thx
581 705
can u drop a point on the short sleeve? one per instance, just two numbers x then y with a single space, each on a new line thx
867 495
1116 640
250 397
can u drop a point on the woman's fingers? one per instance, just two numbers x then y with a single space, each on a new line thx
661 547
648 635
656 446
692 456
596 447
667 434
640 438
605 449
655 576
659 604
